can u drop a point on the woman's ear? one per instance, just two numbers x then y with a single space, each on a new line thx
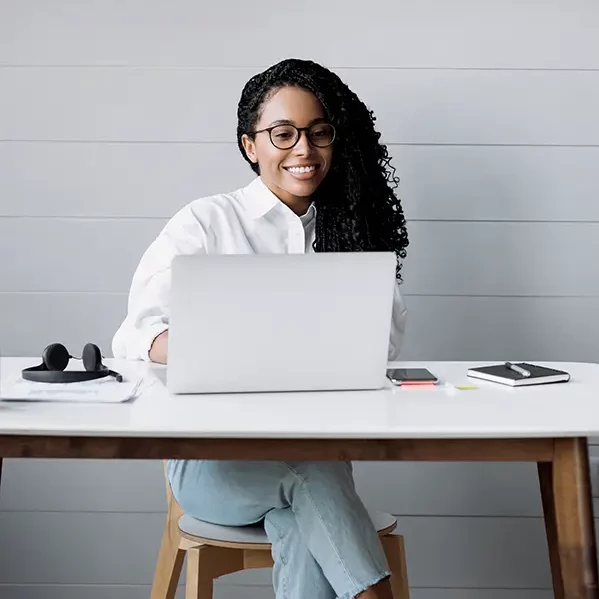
249 145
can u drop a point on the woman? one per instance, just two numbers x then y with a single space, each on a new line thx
324 184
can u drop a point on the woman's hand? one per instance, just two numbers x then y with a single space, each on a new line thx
159 348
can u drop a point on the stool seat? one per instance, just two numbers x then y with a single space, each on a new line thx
255 534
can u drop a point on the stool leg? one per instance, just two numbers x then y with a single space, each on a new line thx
396 556
169 563
199 583
168 571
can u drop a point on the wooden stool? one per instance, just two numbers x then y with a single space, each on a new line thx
214 551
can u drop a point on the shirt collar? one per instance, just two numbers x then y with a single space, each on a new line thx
259 200
308 217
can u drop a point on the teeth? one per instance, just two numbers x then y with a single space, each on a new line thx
302 169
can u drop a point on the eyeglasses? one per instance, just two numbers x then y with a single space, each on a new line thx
285 137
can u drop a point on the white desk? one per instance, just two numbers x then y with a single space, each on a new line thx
547 424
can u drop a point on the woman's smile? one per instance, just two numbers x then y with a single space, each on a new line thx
303 172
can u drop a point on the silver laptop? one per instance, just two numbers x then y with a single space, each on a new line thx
280 322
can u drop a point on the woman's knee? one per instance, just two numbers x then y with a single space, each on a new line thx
282 531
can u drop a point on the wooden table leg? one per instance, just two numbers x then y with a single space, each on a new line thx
545 470
574 529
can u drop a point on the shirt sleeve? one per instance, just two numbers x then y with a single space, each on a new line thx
148 303
398 325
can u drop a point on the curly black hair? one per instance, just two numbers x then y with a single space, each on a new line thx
357 207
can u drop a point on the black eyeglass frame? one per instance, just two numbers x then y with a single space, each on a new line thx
299 134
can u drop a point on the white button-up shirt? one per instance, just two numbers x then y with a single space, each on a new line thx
251 220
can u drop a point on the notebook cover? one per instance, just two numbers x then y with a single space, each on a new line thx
503 371
537 373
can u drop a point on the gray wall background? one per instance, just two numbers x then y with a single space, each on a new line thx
115 114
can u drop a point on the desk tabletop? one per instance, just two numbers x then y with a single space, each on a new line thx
489 411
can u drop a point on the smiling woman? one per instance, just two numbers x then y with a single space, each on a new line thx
324 184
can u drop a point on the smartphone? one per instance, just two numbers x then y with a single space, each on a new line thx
410 375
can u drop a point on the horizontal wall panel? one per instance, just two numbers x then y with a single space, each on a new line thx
83 485
412 106
106 179
442 552
228 591
461 258
441 489
436 182
461 328
497 258
79 548
221 591
110 591
439 328
73 255
29 322
407 488
462 33
498 183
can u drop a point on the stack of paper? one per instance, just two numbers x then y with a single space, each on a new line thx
105 390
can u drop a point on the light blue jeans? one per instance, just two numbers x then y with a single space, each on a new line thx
324 544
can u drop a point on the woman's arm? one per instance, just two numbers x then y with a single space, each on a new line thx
141 335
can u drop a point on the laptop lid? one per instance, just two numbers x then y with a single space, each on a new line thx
280 322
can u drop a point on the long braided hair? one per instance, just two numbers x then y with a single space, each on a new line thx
357 209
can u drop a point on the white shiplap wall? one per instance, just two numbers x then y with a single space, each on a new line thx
113 114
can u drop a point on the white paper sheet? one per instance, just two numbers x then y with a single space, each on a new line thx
106 390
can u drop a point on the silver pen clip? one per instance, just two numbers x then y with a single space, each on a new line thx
518 369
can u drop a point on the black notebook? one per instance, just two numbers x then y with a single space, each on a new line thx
501 373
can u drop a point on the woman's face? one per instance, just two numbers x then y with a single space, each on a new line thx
291 174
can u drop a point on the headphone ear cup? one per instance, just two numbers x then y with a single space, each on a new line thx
92 357
56 356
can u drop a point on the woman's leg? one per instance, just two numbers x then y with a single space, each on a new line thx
331 519
296 574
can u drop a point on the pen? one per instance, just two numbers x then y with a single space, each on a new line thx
518 369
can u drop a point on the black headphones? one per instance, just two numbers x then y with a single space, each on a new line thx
55 359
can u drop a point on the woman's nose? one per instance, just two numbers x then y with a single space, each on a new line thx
303 145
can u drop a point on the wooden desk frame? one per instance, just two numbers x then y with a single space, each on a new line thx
563 469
